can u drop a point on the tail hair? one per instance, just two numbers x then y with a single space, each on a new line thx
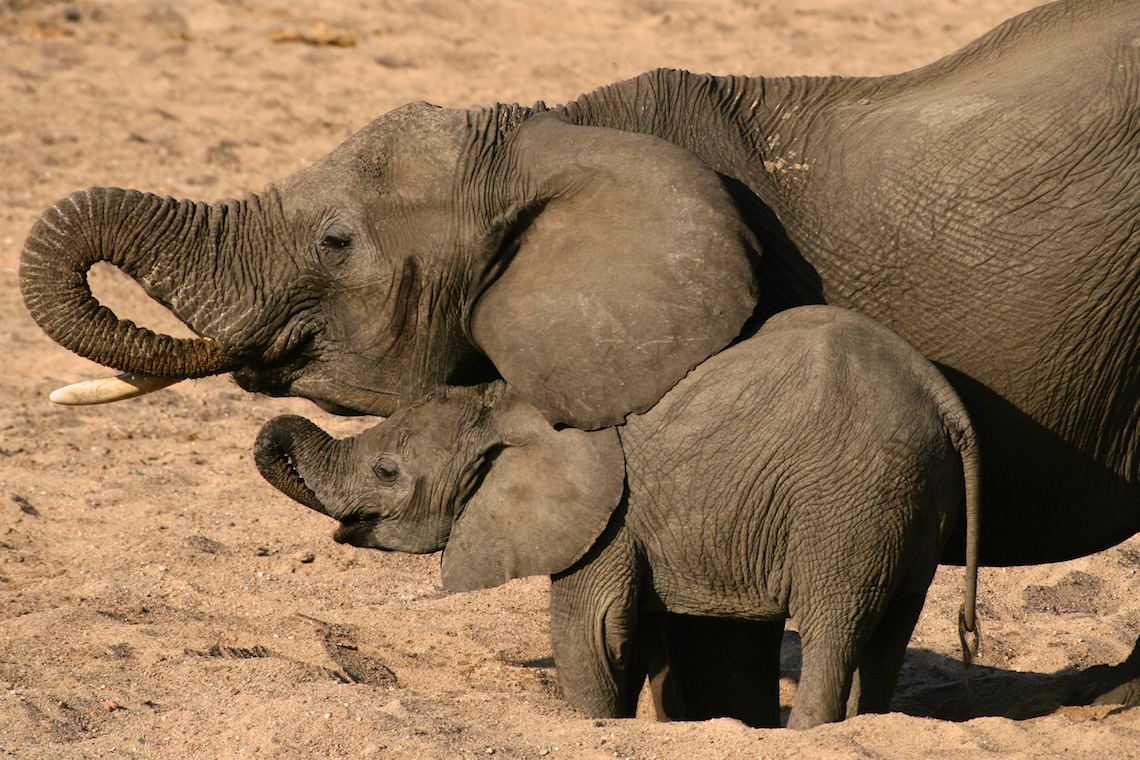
969 637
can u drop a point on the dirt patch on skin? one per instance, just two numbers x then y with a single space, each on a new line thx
159 600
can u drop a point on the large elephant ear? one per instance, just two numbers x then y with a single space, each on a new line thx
630 266
546 498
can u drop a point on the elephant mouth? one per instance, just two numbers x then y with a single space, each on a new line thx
357 531
332 397
288 370
341 411
276 372
270 382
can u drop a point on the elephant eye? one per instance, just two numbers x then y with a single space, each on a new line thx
387 470
334 246
336 242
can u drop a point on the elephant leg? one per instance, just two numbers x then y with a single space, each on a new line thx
594 630
882 657
718 667
667 704
833 638
825 680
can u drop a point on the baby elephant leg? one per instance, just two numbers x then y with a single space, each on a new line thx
883 655
717 667
837 615
825 679
594 630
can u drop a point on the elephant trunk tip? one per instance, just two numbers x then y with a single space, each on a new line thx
273 454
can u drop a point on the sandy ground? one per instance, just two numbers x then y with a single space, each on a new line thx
159 600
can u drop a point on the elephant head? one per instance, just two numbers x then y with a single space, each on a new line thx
589 267
475 469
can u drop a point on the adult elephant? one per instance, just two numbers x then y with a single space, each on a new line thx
986 206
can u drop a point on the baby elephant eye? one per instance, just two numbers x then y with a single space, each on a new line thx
387 470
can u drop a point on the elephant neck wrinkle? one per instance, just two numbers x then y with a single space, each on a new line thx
748 128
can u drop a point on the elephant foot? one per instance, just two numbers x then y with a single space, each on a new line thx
1109 684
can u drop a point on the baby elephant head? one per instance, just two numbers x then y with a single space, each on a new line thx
475 471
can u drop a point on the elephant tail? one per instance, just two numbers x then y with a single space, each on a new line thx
969 633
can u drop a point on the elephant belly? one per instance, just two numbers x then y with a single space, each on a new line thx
693 573
688 597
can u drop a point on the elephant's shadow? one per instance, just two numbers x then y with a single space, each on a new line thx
932 685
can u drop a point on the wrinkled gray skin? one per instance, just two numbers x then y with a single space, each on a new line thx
814 470
986 207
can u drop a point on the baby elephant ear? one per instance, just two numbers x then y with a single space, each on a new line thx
546 498
631 265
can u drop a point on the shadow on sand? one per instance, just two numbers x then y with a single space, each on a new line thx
932 685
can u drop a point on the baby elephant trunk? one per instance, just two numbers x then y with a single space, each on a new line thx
276 454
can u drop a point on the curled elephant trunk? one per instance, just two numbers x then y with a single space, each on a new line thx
275 453
132 231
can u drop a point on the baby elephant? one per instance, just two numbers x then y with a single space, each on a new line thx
814 471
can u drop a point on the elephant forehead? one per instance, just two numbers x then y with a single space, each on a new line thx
387 436
415 139
417 146
426 428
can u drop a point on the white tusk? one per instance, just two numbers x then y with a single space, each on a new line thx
107 389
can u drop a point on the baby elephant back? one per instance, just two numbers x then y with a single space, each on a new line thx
816 384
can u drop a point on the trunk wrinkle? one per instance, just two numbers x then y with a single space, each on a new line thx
107 225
